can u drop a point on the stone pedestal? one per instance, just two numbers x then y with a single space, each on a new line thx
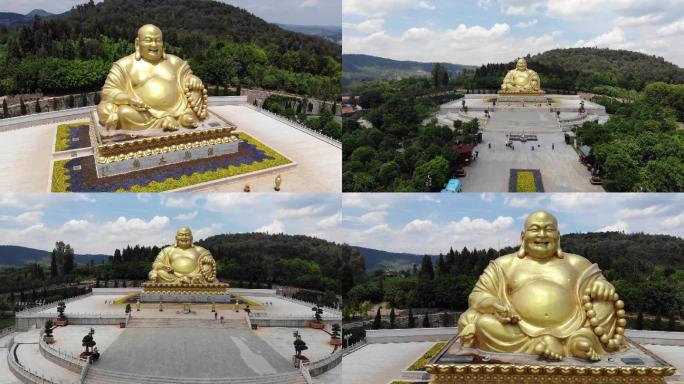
185 293
457 364
123 151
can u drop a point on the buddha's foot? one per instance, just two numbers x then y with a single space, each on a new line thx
169 124
582 348
189 121
550 348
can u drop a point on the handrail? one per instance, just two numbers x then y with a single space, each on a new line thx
326 360
22 371
308 303
66 357
84 371
294 124
305 373
53 303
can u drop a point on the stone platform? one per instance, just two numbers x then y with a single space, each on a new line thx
458 364
185 293
122 151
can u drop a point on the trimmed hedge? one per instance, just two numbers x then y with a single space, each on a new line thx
419 365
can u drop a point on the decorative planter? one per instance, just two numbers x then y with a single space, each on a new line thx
299 360
315 325
336 342
61 323
49 339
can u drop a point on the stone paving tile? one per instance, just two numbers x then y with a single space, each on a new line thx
381 363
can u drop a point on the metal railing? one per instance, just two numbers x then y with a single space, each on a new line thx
84 371
305 373
52 304
297 125
333 358
310 304
70 361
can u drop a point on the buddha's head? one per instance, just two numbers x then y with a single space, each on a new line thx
184 238
521 65
149 44
540 239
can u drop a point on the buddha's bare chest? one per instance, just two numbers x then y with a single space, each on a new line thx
184 260
526 273
521 77
144 74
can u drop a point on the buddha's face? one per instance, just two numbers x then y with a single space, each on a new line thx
149 43
521 65
540 237
184 238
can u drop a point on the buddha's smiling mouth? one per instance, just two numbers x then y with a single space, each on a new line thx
541 242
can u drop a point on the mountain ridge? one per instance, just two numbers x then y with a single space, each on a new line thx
17 256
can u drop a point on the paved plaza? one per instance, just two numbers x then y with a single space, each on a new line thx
280 339
198 353
26 164
382 363
558 162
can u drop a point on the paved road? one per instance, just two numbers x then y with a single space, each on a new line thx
560 167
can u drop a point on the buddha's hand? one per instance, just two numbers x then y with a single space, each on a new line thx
138 104
194 84
505 313
602 290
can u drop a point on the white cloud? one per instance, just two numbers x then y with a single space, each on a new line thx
619 226
673 221
276 226
30 217
373 217
370 25
418 225
331 221
204 232
294 213
675 28
488 196
74 225
467 225
613 39
309 3
520 7
229 201
186 216
177 201
524 202
122 225
376 8
572 8
642 213
528 24
484 4
634 21
428 198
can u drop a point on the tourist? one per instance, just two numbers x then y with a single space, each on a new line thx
215 316
552 147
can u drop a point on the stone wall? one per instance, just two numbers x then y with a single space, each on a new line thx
410 335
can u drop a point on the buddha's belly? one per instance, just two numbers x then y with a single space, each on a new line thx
159 93
544 303
183 265
521 81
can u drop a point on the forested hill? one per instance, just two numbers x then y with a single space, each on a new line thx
584 68
225 46
357 67
377 259
617 250
189 24
15 256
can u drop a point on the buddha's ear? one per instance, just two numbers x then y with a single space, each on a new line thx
137 50
163 55
521 251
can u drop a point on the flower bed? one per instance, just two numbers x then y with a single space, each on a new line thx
252 156
525 180
66 133
419 365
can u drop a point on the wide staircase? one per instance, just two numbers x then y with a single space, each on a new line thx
185 323
98 376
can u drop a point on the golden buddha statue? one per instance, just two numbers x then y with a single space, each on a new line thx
152 89
521 80
183 263
541 300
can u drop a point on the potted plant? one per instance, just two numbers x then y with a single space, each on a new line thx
299 346
317 323
335 335
88 342
61 319
47 335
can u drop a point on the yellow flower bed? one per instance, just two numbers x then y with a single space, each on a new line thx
526 182
60 176
419 364
62 142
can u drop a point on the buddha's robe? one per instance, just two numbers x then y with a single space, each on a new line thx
192 265
160 86
546 298
521 81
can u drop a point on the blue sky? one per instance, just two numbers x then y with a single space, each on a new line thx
303 12
481 31
99 223
431 223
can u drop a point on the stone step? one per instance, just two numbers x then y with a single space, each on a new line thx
185 323
98 376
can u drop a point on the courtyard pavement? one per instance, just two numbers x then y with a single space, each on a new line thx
382 363
560 167
186 352
281 339
29 356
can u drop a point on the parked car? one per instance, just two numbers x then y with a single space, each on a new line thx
453 186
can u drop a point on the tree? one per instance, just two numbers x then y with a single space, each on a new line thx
55 103
432 175
426 269
5 110
37 106
22 106
88 341
299 345
61 307
426 321
335 334
70 101
411 320
640 320
392 317
377 322
318 311
53 264
68 260
658 322
128 308
440 76
671 325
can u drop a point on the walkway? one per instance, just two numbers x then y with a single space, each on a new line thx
381 363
